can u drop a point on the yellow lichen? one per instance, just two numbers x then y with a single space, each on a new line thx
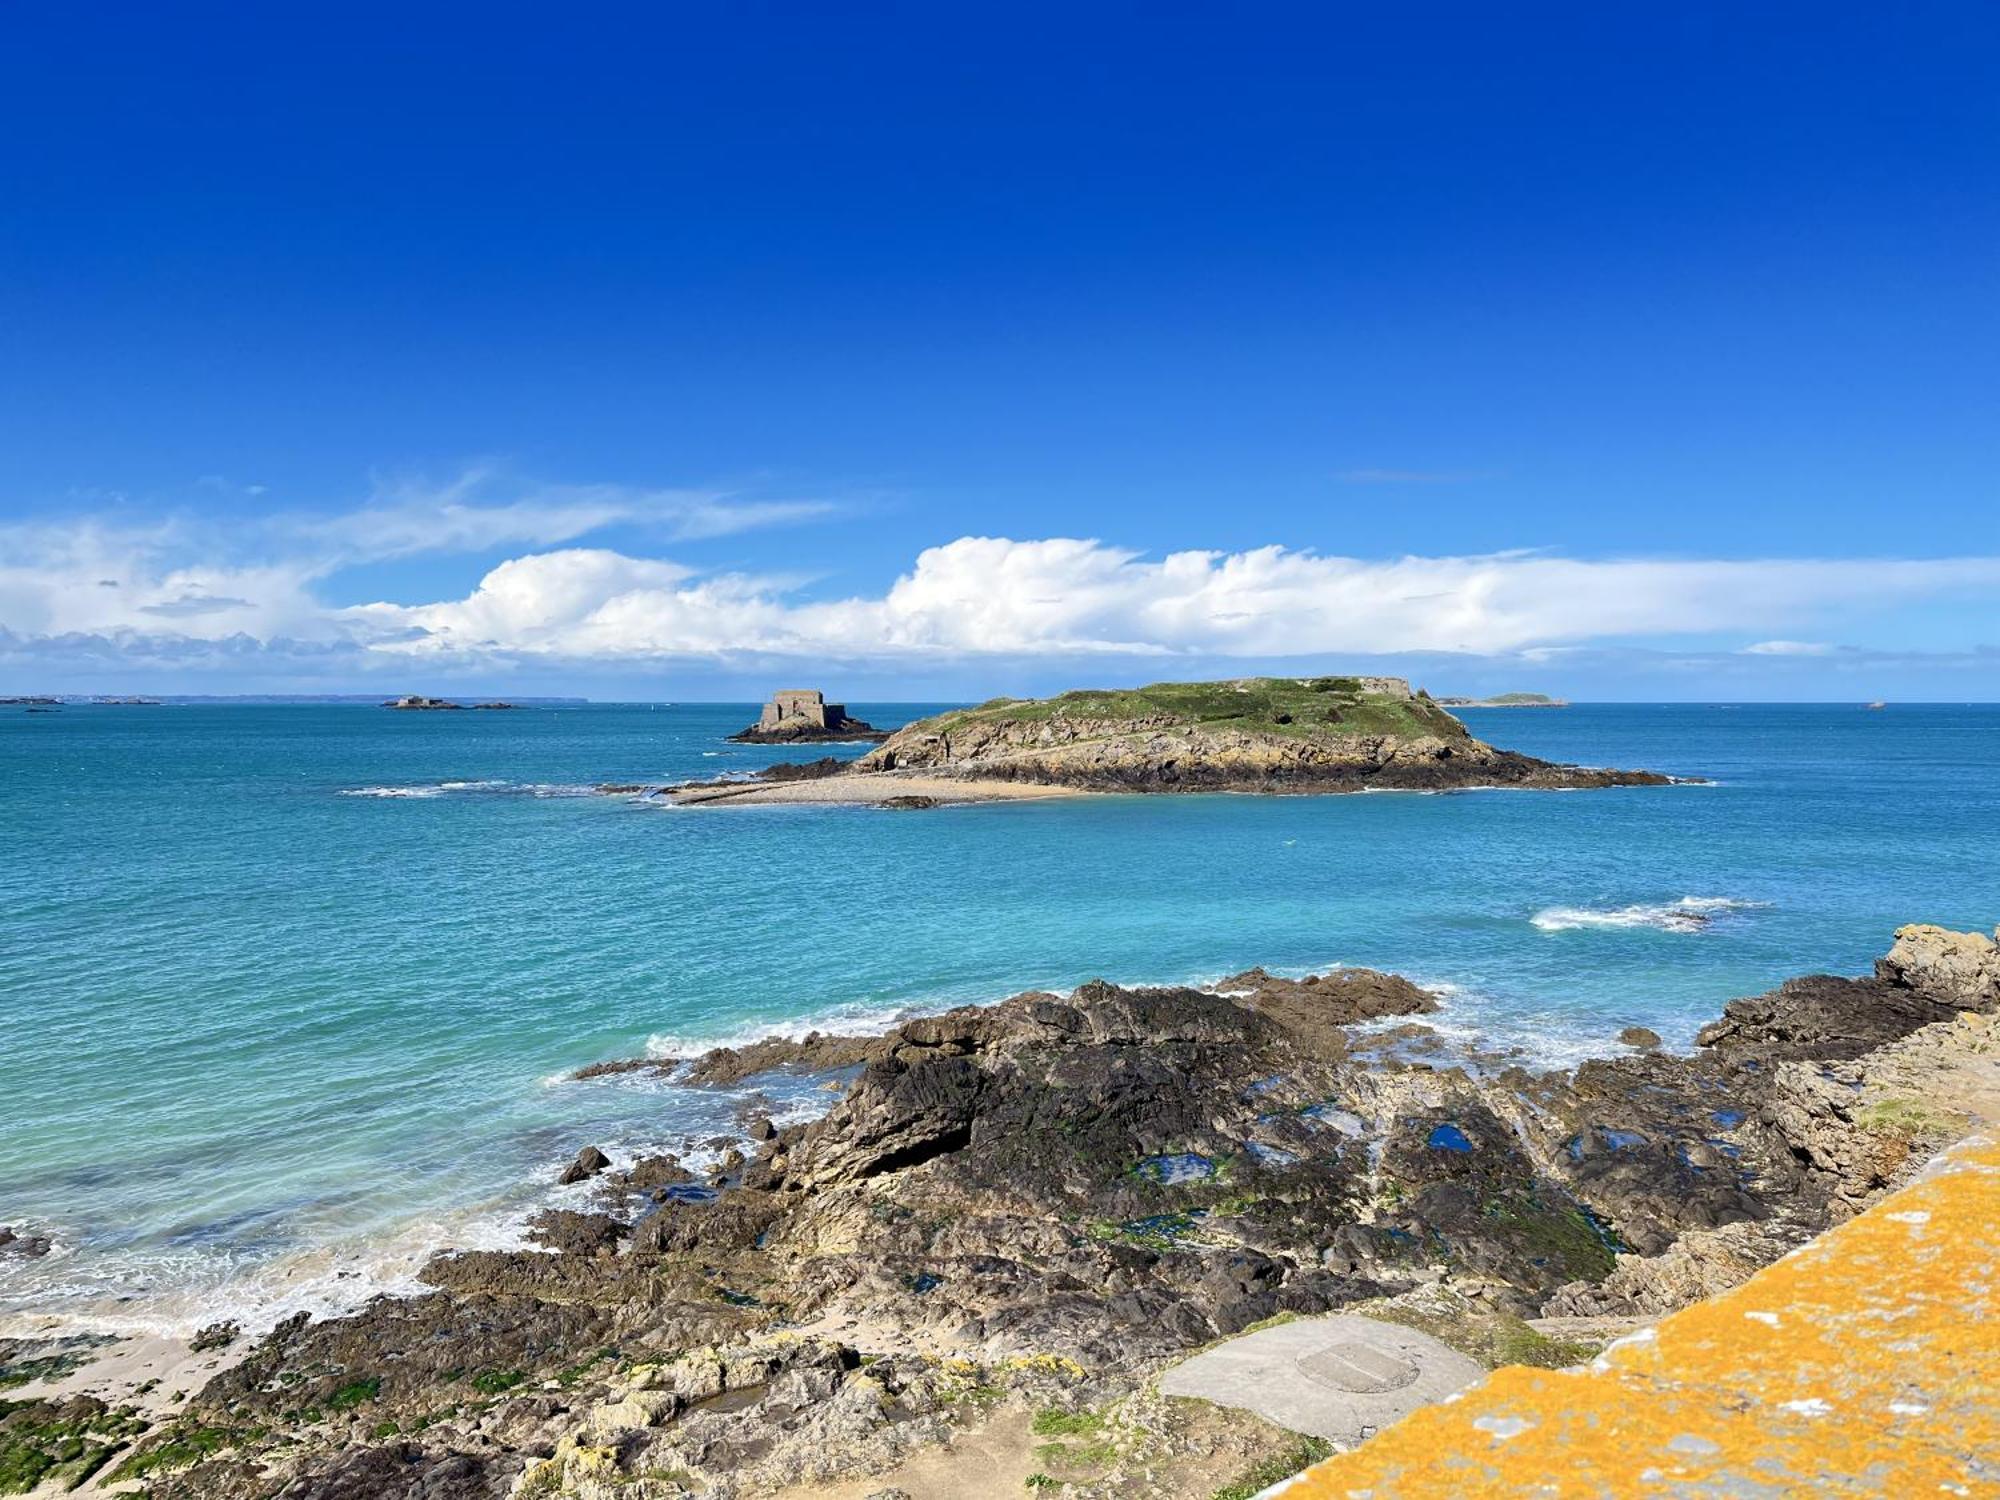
1865 1364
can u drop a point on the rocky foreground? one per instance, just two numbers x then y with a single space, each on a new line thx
1021 1213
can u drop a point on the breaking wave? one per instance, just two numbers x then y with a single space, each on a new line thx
1689 914
453 788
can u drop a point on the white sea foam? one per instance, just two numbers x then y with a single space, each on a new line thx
174 1293
494 786
1689 914
856 1018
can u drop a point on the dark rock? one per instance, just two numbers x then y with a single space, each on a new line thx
660 1066
908 803
30 1246
1336 999
589 1162
1822 1016
810 770
650 1172
573 1233
1642 1037
402 1471
761 1129
813 1053
215 1336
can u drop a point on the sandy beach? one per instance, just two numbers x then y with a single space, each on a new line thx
867 790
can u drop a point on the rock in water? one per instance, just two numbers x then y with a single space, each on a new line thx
799 715
589 1162
33 1246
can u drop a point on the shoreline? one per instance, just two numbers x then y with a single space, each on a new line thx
935 1219
882 788
866 789
500 1223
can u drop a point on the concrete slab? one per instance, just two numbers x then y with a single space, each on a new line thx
1340 1377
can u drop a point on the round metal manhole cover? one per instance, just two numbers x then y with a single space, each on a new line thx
1357 1367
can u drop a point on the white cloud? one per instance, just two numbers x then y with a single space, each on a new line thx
1789 648
257 576
995 596
173 587
406 519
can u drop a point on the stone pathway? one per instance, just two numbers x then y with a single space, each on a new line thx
1339 1377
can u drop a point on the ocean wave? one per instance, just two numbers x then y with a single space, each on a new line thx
1689 914
853 1018
490 785
172 1293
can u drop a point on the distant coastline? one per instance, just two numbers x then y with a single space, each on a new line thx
1507 700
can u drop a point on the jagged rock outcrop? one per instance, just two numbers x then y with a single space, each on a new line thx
1960 969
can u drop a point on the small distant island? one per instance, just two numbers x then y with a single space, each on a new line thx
1507 700
1253 734
416 703
802 716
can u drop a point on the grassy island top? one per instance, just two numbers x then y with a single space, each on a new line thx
1294 706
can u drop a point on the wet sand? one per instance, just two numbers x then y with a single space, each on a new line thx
868 790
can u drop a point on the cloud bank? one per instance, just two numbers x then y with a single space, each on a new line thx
182 592
1069 597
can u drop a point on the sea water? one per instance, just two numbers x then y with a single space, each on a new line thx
290 995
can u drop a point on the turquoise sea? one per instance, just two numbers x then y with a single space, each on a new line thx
288 993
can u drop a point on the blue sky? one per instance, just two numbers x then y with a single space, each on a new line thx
941 350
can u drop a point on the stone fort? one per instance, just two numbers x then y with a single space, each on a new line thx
801 704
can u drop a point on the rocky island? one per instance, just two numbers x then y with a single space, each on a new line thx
802 716
1255 734
968 1275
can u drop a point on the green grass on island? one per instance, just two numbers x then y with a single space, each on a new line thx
1299 707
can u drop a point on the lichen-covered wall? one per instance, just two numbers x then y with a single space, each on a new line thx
1864 1364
